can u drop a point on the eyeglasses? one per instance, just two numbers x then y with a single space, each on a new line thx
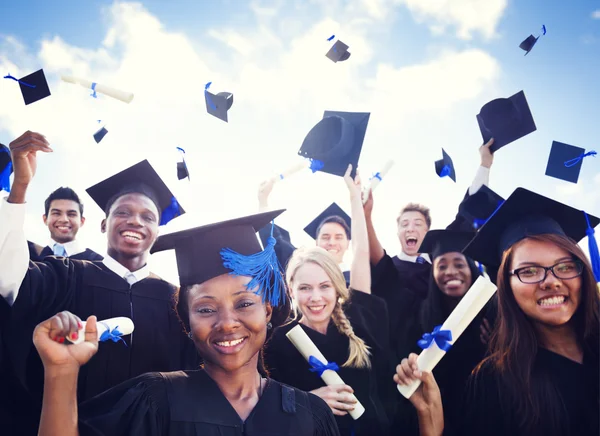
537 274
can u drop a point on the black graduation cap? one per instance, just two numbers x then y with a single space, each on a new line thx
143 174
218 104
182 171
438 242
528 44
6 168
332 211
338 52
336 141
505 120
565 161
200 251
34 87
445 167
478 208
100 134
523 214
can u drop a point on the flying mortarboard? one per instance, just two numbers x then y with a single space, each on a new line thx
232 246
529 42
338 52
565 161
139 175
444 167
332 211
218 104
336 141
505 120
34 87
439 242
100 134
182 169
6 168
524 214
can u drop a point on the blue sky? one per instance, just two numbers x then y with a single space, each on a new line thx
422 68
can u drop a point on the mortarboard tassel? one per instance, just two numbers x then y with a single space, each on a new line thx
8 76
210 102
593 249
572 162
5 178
263 267
172 211
316 165
445 171
478 223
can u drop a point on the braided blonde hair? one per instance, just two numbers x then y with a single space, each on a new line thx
359 354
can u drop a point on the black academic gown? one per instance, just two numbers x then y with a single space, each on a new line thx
38 253
186 403
368 316
577 384
90 288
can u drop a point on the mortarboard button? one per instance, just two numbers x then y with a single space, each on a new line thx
439 242
218 104
528 44
332 211
505 120
34 87
138 176
100 134
444 167
6 168
525 213
338 52
565 161
336 141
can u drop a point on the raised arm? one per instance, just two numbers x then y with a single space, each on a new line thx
376 251
14 252
482 177
264 190
360 271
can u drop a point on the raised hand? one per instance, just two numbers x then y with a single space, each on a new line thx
49 339
368 206
337 397
354 186
487 157
264 190
427 397
23 154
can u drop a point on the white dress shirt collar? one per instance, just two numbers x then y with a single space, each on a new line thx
121 271
72 247
403 256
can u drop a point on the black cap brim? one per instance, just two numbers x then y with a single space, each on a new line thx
332 210
439 242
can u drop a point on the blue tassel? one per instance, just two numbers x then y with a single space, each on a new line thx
572 162
316 165
172 211
8 76
5 178
593 248
331 37
93 94
263 267
445 171
478 223
481 269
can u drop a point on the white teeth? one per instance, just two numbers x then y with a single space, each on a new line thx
134 235
316 308
552 301
230 343
454 282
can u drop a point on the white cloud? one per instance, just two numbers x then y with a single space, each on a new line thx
596 15
281 87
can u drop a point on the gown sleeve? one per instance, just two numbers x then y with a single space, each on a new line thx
325 424
136 407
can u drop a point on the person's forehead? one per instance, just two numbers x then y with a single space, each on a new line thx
64 205
412 215
454 255
332 228
135 199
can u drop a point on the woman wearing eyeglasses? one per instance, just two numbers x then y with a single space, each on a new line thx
542 375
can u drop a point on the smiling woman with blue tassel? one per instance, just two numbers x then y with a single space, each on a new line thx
232 295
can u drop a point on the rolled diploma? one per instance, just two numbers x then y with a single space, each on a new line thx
307 348
375 181
290 171
124 324
125 97
460 318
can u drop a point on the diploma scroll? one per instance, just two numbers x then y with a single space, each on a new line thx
291 171
109 329
460 318
307 348
125 97
376 179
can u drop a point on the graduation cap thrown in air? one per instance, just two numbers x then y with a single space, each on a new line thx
143 177
439 242
218 104
34 87
182 169
526 213
227 247
565 161
528 44
444 167
336 141
6 168
505 120
100 134
333 211
338 52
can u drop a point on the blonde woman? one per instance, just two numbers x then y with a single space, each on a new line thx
348 325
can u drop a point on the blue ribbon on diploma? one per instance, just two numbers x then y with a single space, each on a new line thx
93 94
377 175
572 162
441 337
319 367
316 165
8 76
114 335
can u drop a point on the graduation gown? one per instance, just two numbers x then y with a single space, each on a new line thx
373 387
190 403
90 288
577 385
38 253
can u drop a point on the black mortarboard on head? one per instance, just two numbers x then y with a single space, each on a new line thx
524 214
6 168
139 178
333 211
565 161
439 242
218 104
505 120
233 247
444 167
338 52
336 141
34 87
182 170
480 206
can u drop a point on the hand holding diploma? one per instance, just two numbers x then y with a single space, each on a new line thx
376 179
125 97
